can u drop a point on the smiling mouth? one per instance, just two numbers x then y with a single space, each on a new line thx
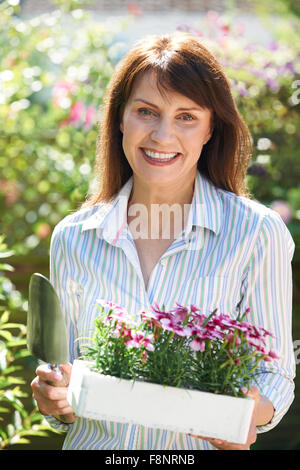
160 157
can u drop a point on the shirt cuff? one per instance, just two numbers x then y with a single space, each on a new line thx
58 425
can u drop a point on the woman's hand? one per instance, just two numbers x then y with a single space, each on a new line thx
225 445
52 400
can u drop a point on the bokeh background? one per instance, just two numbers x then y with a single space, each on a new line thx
56 58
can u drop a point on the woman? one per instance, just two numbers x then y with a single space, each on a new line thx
171 221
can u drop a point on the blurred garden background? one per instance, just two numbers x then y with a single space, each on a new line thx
56 58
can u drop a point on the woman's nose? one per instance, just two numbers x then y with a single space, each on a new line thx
163 132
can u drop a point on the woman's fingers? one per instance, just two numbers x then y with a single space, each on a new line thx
223 445
48 391
67 370
51 400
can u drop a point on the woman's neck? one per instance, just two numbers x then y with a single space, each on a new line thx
175 193
160 212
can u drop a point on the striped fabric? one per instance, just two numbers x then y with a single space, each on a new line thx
234 253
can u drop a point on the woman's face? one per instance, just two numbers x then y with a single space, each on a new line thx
163 135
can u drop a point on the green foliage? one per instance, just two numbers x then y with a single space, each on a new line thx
54 71
265 84
17 423
280 7
179 348
69 5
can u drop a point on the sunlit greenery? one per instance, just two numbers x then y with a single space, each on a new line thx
265 83
18 423
54 70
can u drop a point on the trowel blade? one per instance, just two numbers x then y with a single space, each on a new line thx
46 329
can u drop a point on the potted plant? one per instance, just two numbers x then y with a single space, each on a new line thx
179 370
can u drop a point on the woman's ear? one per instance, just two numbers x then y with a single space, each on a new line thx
121 127
208 136
211 129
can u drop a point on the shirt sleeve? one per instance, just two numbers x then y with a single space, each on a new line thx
267 290
60 269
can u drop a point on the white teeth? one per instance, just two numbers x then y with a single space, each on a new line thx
160 156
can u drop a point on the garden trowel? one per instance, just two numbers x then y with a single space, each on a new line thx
46 329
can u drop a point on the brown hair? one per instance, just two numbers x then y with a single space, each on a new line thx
183 64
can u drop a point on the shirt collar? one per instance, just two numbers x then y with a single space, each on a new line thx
207 206
110 219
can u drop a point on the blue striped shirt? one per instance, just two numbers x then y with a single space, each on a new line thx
233 253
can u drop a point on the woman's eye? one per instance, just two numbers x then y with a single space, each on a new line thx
145 112
187 117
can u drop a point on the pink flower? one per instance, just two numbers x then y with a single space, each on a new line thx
134 9
229 338
267 359
240 28
170 325
43 230
267 333
10 191
77 112
159 313
151 318
180 313
283 209
138 340
224 321
273 355
62 90
110 305
116 312
89 117
194 309
212 16
197 344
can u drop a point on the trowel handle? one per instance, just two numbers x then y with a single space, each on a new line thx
63 383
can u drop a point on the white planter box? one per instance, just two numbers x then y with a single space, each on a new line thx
102 397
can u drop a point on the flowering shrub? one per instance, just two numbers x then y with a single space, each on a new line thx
54 70
180 348
265 83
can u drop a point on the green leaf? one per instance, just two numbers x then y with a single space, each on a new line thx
3 434
36 417
11 369
6 335
17 420
22 440
13 325
15 343
6 254
15 381
10 430
4 410
22 353
5 317
6 267
37 432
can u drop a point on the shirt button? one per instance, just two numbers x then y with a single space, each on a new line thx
163 262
